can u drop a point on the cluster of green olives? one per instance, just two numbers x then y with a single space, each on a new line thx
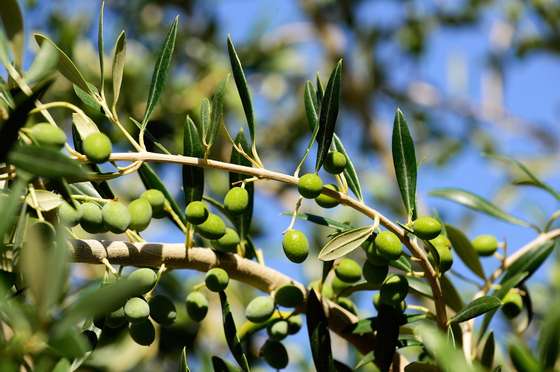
139 311
114 216
430 229
310 186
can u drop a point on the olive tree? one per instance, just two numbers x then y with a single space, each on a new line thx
60 209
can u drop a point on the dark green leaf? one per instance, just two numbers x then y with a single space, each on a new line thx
220 365
522 358
230 332
549 337
65 65
462 245
350 171
320 90
63 365
193 177
402 263
216 114
242 88
318 332
45 162
420 287
311 110
9 205
183 363
13 25
476 203
90 103
529 262
341 367
451 296
344 243
328 115
160 71
476 308
243 221
320 220
487 356
119 59
404 160
389 319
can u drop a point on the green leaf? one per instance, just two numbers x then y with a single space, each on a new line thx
119 59
476 308
476 203
529 262
311 110
151 180
193 177
328 115
320 220
243 221
451 296
9 205
65 65
44 200
242 88
216 114
318 332
205 110
220 365
549 338
183 363
487 356
522 358
45 162
404 160
44 64
344 243
90 103
230 332
350 171
462 245
320 90
13 25
63 365
160 71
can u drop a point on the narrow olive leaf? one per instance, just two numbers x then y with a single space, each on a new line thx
367 359
243 221
9 205
193 177
419 287
230 332
90 103
13 25
4 48
63 365
341 367
404 160
476 308
84 126
320 90
402 263
533 180
529 262
320 220
350 171
242 88
487 355
217 113
101 47
522 358
45 162
527 306
344 243
151 180
43 65
451 296
205 120
311 111
149 136
476 203
462 245
318 332
65 65
183 363
389 320
220 365
119 57
328 115
549 338
44 200
57 273
160 71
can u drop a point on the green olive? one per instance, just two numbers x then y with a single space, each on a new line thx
374 274
260 309
347 304
374 257
393 290
116 217
156 200
144 278
69 215
295 245
92 218
97 147
213 228
325 201
136 309
512 304
196 212
197 306
140 212
376 299
275 354
289 295
294 324
217 279
426 228
236 200
348 270
335 162
388 245
310 185
485 245
143 332
48 135
228 242
162 310
442 246
278 330
338 285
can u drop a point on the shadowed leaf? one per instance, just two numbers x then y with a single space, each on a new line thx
476 308
462 245
319 334
231 334
344 243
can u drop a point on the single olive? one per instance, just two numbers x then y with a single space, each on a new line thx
335 162
310 185
326 290
442 246
213 228
116 217
136 309
97 147
325 201
196 212
275 354
374 257
295 245
217 279
512 304
69 215
92 218
143 332
289 295
140 212
48 135
156 200
426 228
485 245
376 299
162 310
394 289
236 200
388 245
339 285
144 278
348 270
197 306
294 324
260 309
374 274
347 304
228 242
278 330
